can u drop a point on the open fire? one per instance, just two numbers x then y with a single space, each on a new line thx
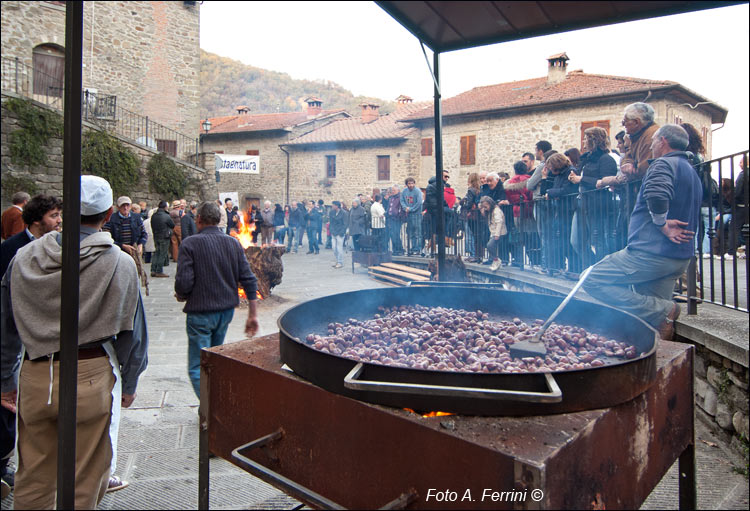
429 414
265 260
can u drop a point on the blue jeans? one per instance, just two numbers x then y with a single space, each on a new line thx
414 231
394 234
338 249
312 239
294 236
204 330
468 239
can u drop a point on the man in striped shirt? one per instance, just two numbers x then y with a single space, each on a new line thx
212 266
127 229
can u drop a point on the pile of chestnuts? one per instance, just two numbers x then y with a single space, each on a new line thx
446 339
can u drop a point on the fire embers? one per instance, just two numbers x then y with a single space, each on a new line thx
444 339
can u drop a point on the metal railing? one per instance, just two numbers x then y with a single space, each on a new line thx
100 109
562 236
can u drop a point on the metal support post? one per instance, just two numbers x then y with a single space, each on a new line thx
68 388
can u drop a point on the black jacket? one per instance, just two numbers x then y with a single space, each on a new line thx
297 217
313 219
594 166
161 224
337 222
431 198
187 224
9 247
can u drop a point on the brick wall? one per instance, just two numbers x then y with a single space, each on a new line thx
145 53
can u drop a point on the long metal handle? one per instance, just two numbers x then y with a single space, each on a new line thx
553 395
538 336
296 490
276 479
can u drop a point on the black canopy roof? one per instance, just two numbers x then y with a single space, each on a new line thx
448 26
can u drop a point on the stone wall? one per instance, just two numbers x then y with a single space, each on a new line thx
356 168
145 53
721 392
49 177
501 139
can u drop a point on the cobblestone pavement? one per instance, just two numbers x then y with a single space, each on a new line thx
158 442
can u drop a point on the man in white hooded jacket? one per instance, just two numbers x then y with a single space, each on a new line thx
112 344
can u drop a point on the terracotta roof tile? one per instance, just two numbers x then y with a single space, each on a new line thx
386 127
537 91
260 122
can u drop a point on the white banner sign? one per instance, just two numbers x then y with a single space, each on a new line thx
241 163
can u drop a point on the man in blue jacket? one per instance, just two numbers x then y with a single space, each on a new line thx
640 278
127 229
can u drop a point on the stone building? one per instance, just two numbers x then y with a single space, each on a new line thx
489 128
144 54
355 155
263 135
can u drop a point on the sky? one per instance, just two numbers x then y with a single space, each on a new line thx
360 47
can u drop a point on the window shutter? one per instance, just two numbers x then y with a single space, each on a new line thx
468 150
252 152
384 168
331 166
426 147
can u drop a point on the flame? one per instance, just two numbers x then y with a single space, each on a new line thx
430 414
245 233
258 295
241 293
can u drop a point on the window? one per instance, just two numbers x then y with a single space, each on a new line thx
330 166
677 119
468 150
592 124
49 70
704 134
426 147
219 152
252 152
384 168
167 146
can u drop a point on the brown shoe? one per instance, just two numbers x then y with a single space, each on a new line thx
666 329
160 275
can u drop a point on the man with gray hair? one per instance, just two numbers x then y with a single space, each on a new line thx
266 227
640 278
212 266
638 121
11 222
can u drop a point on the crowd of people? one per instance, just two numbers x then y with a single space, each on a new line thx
631 213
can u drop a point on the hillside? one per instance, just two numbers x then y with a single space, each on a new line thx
227 83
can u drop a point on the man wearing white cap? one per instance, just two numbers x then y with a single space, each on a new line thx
112 347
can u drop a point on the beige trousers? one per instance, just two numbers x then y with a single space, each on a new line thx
36 478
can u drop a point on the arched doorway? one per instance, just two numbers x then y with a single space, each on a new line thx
49 70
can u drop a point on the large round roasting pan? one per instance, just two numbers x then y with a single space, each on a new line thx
464 392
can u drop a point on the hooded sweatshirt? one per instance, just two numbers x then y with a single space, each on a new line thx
107 303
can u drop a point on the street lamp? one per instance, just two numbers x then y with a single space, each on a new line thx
206 126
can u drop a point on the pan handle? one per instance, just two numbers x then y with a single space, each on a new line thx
554 394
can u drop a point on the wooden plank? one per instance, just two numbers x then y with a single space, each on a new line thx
390 271
388 280
406 268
